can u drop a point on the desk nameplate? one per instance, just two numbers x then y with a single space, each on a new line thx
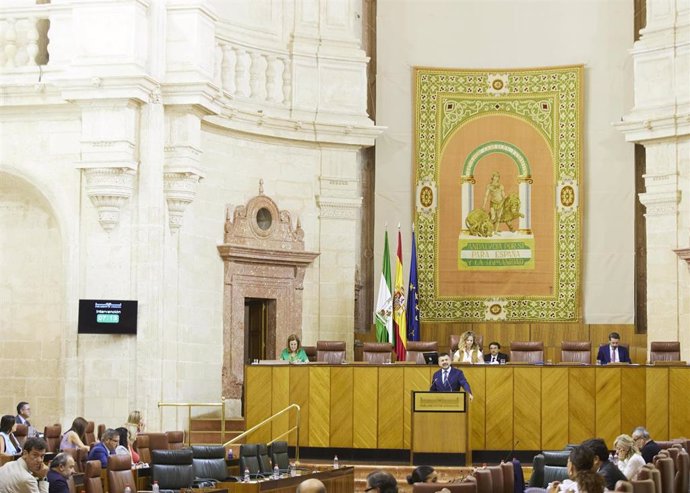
439 402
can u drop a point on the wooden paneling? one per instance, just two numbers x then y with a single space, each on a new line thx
554 421
581 388
527 407
319 406
299 394
608 402
365 408
416 377
657 402
632 405
476 376
280 399
341 406
679 401
390 429
499 410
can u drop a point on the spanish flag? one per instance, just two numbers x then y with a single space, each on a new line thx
399 307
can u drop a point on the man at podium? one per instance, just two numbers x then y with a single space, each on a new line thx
449 379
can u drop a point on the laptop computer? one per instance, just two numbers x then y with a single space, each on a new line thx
431 358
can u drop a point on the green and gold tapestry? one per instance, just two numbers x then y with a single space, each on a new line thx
498 157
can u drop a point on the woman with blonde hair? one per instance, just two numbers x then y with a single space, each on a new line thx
135 424
629 459
468 350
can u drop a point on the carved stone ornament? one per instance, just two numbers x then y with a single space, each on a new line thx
180 190
109 189
264 258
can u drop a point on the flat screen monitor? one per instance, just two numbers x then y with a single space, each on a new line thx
107 317
431 358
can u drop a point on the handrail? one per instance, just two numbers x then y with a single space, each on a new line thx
268 420
189 406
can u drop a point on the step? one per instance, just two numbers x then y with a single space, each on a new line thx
213 424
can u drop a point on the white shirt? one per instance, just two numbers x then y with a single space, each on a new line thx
631 466
465 356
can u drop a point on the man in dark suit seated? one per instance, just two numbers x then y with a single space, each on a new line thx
648 447
449 379
494 357
602 465
109 442
613 352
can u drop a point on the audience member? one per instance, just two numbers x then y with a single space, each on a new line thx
311 485
125 446
135 424
28 473
602 464
8 442
382 482
580 463
630 461
294 352
61 469
613 352
422 474
649 447
449 379
468 350
22 418
495 355
74 438
109 442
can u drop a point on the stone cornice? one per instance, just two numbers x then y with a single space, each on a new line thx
684 254
252 255
665 124
139 88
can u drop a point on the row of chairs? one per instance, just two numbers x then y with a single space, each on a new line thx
333 352
490 479
260 459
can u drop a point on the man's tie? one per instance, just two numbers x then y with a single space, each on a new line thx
493 358
445 377
613 355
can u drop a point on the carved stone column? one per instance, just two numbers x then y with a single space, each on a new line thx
109 189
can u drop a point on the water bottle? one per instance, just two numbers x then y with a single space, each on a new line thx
276 472
246 475
128 489
229 454
293 470
155 488
335 462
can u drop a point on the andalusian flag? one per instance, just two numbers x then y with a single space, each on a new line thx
413 296
399 316
384 304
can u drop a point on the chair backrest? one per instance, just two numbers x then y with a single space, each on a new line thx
20 433
416 350
332 352
465 487
549 466
484 481
666 468
279 455
173 469
454 340
644 486
101 430
310 351
527 351
120 473
249 459
625 486
508 477
80 457
209 462
377 352
175 439
52 435
497 478
89 434
537 478
649 471
683 472
664 351
143 448
576 352
264 459
92 477
158 441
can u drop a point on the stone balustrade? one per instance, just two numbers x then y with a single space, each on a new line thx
23 37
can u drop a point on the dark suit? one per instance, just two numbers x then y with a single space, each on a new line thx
611 474
456 379
100 452
649 450
57 482
500 356
604 354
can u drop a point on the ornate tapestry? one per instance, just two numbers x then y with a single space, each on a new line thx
498 178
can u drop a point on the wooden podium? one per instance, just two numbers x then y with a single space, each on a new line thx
440 424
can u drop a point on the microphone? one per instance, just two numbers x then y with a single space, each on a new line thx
511 452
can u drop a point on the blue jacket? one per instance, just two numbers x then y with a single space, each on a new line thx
604 354
57 482
456 379
100 452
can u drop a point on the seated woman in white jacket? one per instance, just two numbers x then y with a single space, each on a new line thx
468 350
629 459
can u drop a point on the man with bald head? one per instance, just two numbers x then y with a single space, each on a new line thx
311 486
